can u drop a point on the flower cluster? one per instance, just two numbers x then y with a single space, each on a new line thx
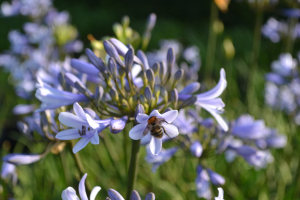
282 86
40 51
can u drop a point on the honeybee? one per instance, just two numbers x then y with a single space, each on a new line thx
155 127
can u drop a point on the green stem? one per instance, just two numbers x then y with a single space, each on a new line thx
79 164
212 40
289 40
256 39
133 167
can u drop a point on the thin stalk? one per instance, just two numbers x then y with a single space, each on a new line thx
290 40
256 39
79 164
133 167
125 144
212 40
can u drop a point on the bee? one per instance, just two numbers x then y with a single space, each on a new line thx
155 127
83 130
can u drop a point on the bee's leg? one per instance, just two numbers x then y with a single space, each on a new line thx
167 122
165 132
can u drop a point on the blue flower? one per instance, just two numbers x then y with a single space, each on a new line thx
21 159
164 156
84 127
70 193
136 133
53 98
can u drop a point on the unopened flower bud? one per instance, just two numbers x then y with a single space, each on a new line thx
228 48
118 29
23 128
150 196
148 94
98 95
188 102
215 178
164 94
139 109
141 55
170 59
61 79
151 22
196 148
125 21
177 77
156 90
113 194
129 60
162 71
114 94
144 77
121 72
112 67
142 99
155 68
135 195
97 62
150 77
174 97
112 52
82 89
117 125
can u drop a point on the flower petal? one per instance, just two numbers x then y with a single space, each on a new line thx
68 119
81 188
94 192
69 194
69 134
81 144
91 122
136 133
171 130
84 67
95 138
219 119
217 90
155 113
170 116
155 145
21 159
79 111
142 118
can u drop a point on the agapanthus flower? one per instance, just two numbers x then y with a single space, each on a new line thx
21 158
8 172
70 193
53 98
137 132
164 156
84 127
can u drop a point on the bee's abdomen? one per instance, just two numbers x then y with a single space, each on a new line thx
157 131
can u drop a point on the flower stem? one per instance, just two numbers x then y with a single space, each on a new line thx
212 40
133 167
79 164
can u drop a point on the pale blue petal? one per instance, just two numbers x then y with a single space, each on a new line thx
81 188
79 111
69 134
155 145
170 116
142 118
69 194
81 144
94 192
136 133
171 130
95 138
91 122
114 195
68 119
84 67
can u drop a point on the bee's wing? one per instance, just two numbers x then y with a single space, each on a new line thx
160 121
147 129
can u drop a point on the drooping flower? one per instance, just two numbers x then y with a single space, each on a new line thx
136 133
21 159
164 156
70 193
53 98
8 172
84 127
115 195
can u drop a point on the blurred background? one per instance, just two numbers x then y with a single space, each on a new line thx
237 45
